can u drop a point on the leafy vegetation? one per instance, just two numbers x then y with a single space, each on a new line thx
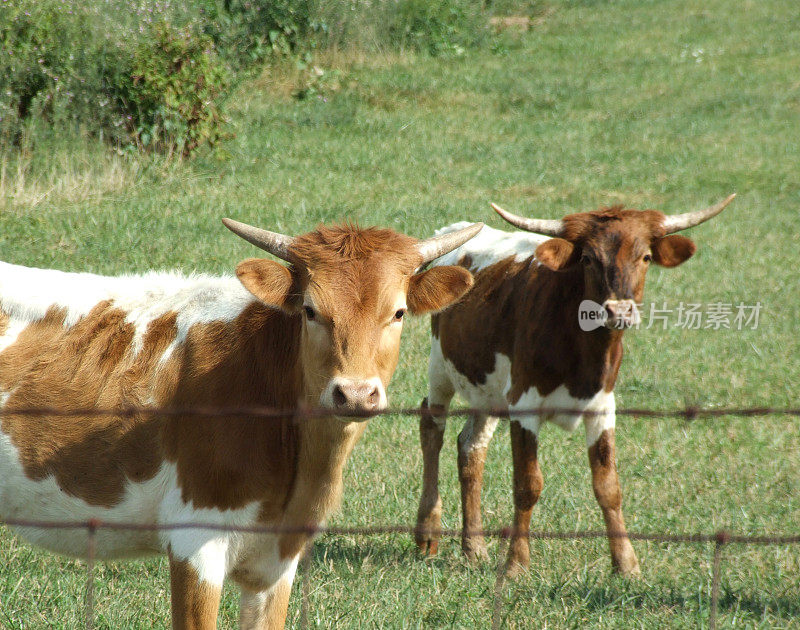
157 74
129 75
174 89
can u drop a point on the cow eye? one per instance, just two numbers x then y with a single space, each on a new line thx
398 316
585 260
647 258
310 314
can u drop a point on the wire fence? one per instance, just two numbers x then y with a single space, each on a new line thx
720 539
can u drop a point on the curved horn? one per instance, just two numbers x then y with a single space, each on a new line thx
678 222
276 244
550 227
437 246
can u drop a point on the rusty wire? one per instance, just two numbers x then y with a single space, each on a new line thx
721 539
379 530
689 412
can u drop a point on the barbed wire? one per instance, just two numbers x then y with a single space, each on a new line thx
689 412
94 526
720 538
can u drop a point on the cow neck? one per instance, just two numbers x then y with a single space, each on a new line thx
325 444
553 350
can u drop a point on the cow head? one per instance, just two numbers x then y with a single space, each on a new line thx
351 288
614 248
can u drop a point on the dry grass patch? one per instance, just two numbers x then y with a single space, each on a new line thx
67 179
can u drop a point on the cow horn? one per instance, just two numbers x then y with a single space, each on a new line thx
550 227
678 222
276 244
440 245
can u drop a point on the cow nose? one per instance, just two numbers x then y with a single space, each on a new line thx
621 313
350 396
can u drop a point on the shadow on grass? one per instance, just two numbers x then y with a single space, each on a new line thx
396 551
593 594
615 594
760 603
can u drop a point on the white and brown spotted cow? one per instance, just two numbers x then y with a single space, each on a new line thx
322 332
514 342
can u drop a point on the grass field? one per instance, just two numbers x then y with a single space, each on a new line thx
670 105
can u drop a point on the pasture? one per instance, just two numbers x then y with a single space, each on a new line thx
647 104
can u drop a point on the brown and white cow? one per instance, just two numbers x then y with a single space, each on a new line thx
515 342
322 332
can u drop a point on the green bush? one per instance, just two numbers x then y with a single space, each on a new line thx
437 26
43 73
155 74
174 90
248 31
122 72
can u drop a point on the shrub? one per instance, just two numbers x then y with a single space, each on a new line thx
174 90
42 72
248 31
134 79
437 26
155 73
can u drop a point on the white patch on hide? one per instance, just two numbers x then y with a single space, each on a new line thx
490 246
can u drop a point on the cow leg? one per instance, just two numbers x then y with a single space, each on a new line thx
195 602
432 423
602 459
429 514
528 483
473 443
265 610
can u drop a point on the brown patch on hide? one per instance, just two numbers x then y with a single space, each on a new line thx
89 365
479 326
429 514
265 610
528 483
251 361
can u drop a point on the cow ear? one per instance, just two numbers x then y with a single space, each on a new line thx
437 288
269 281
555 253
672 250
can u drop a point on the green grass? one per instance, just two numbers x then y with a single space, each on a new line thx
599 103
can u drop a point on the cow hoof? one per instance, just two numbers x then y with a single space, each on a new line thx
426 534
630 570
515 569
625 563
633 573
428 545
475 550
